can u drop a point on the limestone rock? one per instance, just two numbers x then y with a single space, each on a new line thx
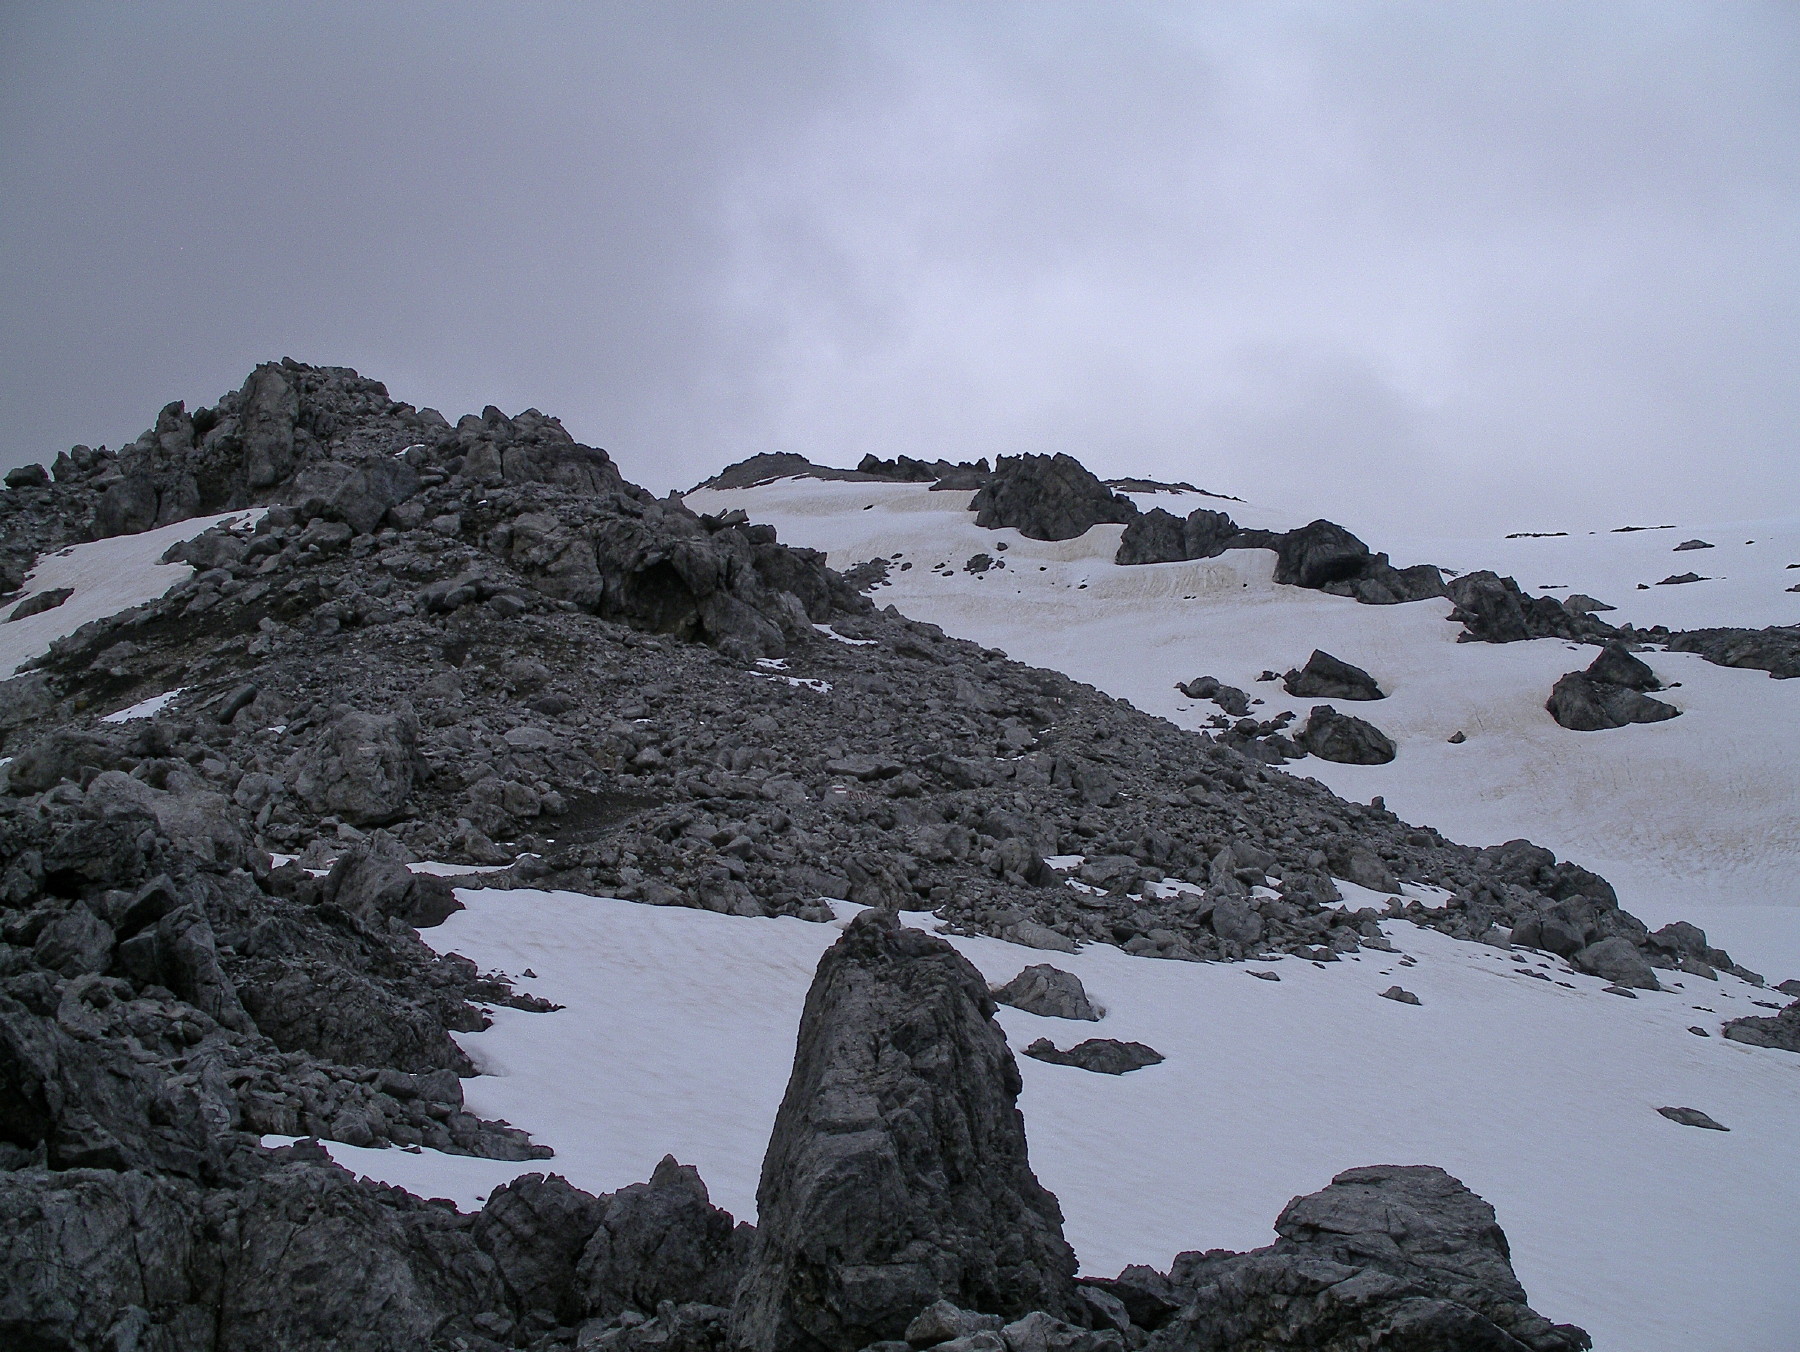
1050 991
897 1174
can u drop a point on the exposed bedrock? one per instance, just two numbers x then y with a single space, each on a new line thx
1047 497
897 1173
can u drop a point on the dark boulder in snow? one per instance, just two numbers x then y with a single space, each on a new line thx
1390 1256
1619 961
1686 545
37 605
1617 665
1102 1055
1332 736
1047 497
1775 650
1228 697
1050 991
1328 677
1154 537
897 1174
1780 1030
1492 609
1693 1117
1319 552
1581 703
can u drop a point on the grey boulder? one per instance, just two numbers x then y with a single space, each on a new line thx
1345 739
1049 991
1328 677
1102 1055
1619 961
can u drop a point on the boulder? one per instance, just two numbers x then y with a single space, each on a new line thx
1390 1256
1047 497
1318 553
1050 991
1616 665
1154 537
662 1241
1581 703
1102 1055
1619 961
1492 609
1781 1030
897 1173
49 599
1228 697
1328 677
1332 736
362 767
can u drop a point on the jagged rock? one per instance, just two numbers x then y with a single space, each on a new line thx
362 767
1236 921
1047 497
1492 609
1780 1030
1682 579
375 887
27 476
1388 1256
535 1228
1320 552
1040 1332
1775 650
1050 991
897 1174
1618 960
1583 704
1154 537
1616 665
1332 736
1102 1055
1328 677
662 1241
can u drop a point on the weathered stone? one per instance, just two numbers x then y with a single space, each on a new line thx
1328 677
897 1174
1049 991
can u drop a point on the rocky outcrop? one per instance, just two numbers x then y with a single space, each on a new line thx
1328 677
1492 609
1332 736
1775 650
1780 1030
1585 702
1388 1256
1047 497
362 766
897 1173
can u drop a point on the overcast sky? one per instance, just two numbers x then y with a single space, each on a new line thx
1518 265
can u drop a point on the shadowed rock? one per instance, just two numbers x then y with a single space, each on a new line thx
1102 1055
1049 991
1047 497
1332 736
1780 1030
1581 703
897 1173
1616 665
1391 1256
1328 677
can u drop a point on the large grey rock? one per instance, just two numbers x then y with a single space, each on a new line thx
362 767
1387 1257
375 887
1332 736
535 1228
1102 1055
1155 537
1492 609
1780 1030
897 1173
1619 961
1318 553
1617 665
1047 497
1583 704
1050 991
1328 677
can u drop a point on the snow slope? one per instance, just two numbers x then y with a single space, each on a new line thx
1697 818
107 576
1540 1094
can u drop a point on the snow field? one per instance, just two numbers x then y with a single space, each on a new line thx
1697 818
107 576
678 1036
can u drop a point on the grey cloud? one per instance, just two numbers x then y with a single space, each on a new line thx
1535 263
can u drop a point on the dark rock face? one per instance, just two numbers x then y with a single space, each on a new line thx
1154 537
1391 1256
1492 609
1047 497
1102 1055
1050 991
1580 702
897 1173
662 1241
1318 553
1328 677
1780 1030
1619 961
1775 650
1332 736
1616 665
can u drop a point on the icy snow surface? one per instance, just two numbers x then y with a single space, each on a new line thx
107 576
1697 818
1541 1095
